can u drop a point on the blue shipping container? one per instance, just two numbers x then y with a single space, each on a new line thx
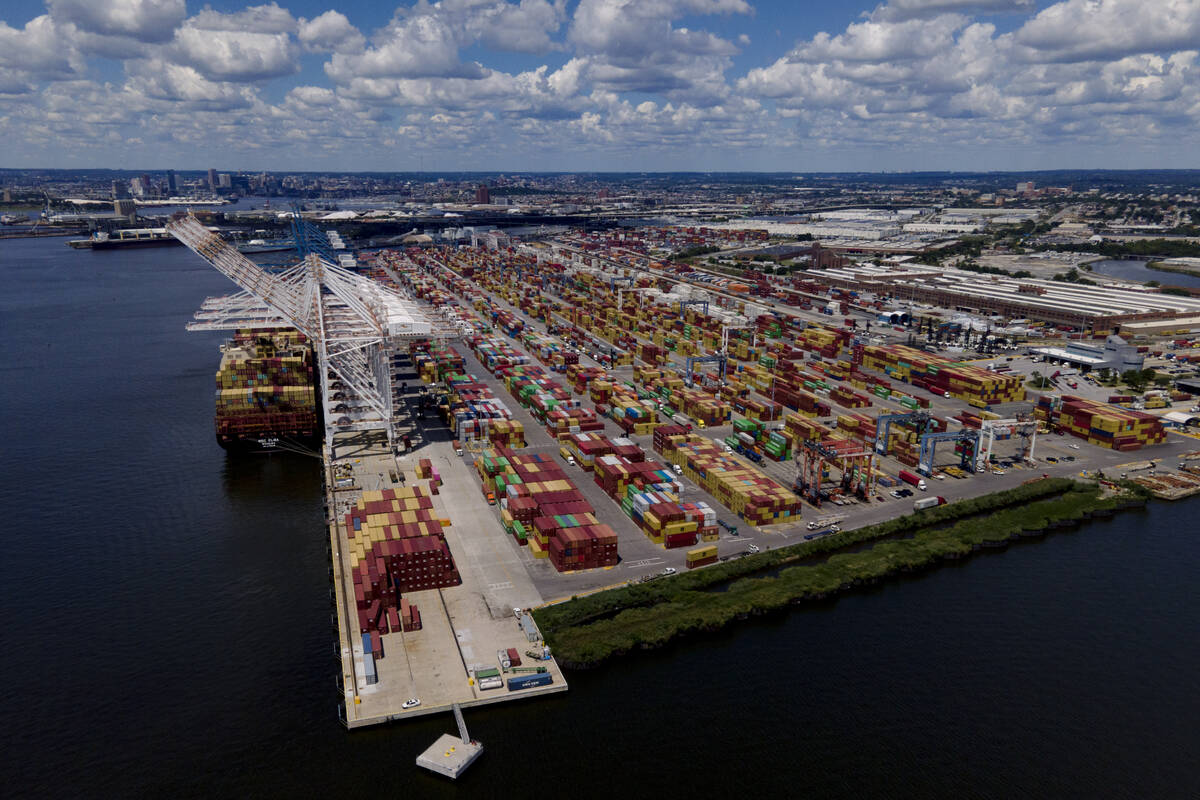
530 680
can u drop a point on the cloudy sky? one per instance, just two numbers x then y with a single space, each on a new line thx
600 84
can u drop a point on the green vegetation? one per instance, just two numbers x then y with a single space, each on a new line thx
1072 276
697 251
587 630
1137 379
1145 248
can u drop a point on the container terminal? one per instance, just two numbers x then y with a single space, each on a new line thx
512 424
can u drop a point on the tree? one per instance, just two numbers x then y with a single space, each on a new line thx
1162 380
1105 375
1133 378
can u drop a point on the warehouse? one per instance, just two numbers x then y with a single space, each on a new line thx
1087 307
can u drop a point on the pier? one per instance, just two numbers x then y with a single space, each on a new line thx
359 329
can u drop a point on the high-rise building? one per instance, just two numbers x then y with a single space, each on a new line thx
482 195
119 190
172 187
137 188
225 180
212 179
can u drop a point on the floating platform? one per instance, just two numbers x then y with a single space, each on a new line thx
449 756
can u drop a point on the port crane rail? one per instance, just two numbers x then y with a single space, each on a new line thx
352 321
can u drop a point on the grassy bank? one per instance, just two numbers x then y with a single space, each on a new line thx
1161 267
586 631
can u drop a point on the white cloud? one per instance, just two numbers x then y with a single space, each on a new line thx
1078 30
634 46
897 10
185 87
418 46
234 55
524 27
883 41
254 19
38 50
644 84
141 20
330 32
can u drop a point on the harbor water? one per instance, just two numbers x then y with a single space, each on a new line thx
1136 270
166 619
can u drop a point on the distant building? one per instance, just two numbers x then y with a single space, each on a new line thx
137 188
225 181
172 186
212 179
1026 188
119 190
8 195
482 195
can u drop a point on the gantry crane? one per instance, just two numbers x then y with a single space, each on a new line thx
1026 429
967 437
854 459
884 423
352 321
693 360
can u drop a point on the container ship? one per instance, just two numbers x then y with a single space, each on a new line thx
126 237
266 390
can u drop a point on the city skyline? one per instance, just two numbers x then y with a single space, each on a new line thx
722 85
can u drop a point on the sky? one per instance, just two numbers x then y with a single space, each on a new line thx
600 85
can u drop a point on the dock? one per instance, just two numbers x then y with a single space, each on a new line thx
359 329
463 626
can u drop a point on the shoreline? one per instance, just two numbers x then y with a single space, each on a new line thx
1160 266
676 611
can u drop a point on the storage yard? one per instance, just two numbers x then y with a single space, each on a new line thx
583 421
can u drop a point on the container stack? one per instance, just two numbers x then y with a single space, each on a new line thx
542 508
409 616
1099 424
734 483
859 426
397 547
616 475
848 398
977 386
803 429
826 342
265 387
701 406
701 556
587 447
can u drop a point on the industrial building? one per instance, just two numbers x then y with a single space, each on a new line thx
1086 307
1116 354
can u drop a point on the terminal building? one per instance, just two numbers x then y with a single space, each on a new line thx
1116 354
